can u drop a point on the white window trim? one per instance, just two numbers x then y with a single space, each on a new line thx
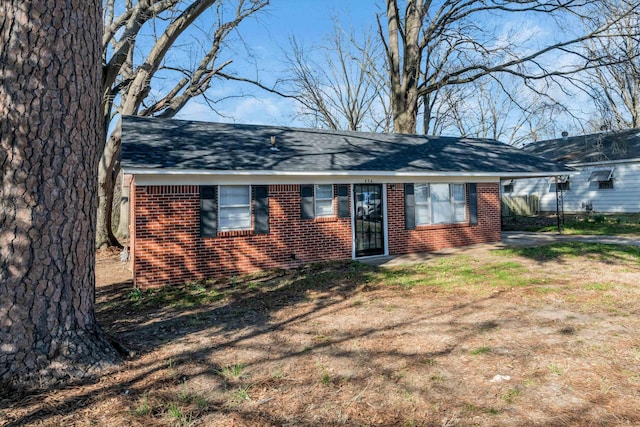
453 203
316 198
426 203
249 206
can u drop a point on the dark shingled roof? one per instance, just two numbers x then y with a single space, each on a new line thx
152 143
597 147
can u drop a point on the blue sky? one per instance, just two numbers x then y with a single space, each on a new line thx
309 21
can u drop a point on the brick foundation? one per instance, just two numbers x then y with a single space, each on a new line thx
166 246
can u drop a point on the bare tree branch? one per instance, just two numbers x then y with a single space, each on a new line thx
435 45
131 81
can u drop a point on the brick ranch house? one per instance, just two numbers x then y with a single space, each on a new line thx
211 199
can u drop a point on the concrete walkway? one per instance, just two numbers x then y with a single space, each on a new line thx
510 239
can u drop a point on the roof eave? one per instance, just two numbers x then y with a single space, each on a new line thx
201 172
604 162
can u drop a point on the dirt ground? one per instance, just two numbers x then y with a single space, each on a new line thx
562 352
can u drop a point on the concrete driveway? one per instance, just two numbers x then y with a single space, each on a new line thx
516 239
522 238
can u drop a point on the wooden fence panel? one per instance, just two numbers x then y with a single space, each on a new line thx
520 205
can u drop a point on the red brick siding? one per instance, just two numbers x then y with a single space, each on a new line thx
436 237
167 247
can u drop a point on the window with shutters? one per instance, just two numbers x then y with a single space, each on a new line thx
318 201
228 209
440 203
234 207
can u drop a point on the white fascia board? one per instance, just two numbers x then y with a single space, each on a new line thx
199 177
516 175
143 171
603 163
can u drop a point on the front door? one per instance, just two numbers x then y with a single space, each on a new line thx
369 229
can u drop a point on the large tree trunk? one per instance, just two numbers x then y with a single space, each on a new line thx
51 137
404 70
123 223
109 167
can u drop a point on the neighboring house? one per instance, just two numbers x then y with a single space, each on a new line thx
211 199
607 178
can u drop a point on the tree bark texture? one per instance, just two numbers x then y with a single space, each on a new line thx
404 70
109 167
123 224
51 137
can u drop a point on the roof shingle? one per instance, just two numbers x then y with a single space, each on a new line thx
152 143
597 147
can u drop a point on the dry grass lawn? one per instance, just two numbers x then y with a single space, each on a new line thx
532 337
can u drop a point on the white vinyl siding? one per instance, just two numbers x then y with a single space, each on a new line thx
622 198
234 208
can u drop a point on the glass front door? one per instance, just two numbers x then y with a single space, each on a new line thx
369 229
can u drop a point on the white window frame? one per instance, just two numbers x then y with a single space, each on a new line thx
244 226
455 205
426 202
316 199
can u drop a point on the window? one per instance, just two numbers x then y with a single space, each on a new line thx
318 201
229 208
459 199
441 208
507 188
605 185
440 203
423 204
323 200
604 178
563 184
235 207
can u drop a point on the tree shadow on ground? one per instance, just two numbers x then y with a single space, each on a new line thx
234 311
145 322
562 252
227 304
